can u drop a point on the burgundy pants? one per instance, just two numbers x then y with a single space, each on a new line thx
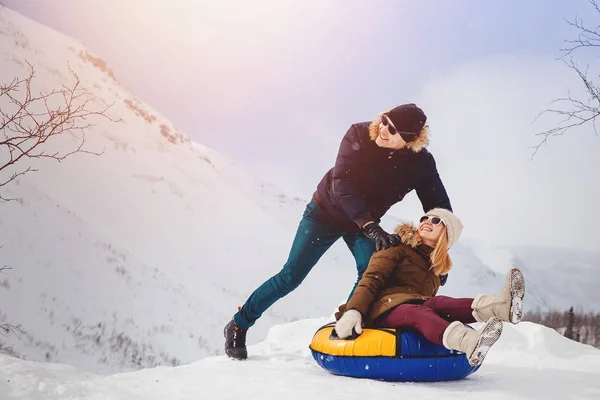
432 317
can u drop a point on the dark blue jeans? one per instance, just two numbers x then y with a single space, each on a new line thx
313 238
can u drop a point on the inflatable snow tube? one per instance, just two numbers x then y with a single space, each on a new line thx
388 354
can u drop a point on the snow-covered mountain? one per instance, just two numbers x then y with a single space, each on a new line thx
139 257
528 362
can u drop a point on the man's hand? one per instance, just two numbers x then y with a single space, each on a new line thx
381 238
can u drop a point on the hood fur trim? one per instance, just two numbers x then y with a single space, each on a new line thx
409 234
421 141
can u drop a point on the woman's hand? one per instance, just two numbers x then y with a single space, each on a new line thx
350 319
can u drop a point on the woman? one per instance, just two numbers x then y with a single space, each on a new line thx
399 288
378 163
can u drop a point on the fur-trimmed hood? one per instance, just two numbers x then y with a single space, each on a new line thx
420 142
409 234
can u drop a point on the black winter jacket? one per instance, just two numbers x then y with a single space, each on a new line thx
367 180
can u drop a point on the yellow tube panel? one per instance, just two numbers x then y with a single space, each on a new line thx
371 343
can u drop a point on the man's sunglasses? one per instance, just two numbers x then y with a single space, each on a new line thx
392 129
434 220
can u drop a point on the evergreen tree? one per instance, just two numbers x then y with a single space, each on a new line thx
569 331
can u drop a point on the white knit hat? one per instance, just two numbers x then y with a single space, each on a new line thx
453 225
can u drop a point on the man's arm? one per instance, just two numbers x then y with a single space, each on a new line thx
345 175
431 190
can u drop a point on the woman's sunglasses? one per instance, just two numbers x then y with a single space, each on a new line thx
407 136
434 220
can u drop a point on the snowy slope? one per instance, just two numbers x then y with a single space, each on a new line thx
528 362
140 256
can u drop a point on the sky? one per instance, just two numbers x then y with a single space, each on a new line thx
274 85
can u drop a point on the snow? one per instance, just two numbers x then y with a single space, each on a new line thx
139 257
528 362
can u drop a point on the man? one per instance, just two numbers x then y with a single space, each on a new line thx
378 163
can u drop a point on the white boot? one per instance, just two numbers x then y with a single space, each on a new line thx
475 344
507 305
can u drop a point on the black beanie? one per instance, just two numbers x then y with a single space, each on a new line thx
407 118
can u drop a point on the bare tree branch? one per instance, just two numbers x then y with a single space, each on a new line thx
25 130
576 112
5 267
7 329
587 37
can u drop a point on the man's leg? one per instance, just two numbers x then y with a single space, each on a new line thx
313 238
362 249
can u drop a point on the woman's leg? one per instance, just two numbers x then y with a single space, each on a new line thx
420 317
452 309
453 336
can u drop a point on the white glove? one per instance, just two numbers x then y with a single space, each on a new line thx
350 319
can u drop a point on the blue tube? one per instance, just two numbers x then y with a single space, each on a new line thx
417 360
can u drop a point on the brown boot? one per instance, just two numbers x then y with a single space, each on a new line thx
507 305
475 344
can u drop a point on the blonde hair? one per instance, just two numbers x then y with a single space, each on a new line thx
440 259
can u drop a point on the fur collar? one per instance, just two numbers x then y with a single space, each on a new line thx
409 234
410 237
415 146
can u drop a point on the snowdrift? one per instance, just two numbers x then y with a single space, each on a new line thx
528 362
